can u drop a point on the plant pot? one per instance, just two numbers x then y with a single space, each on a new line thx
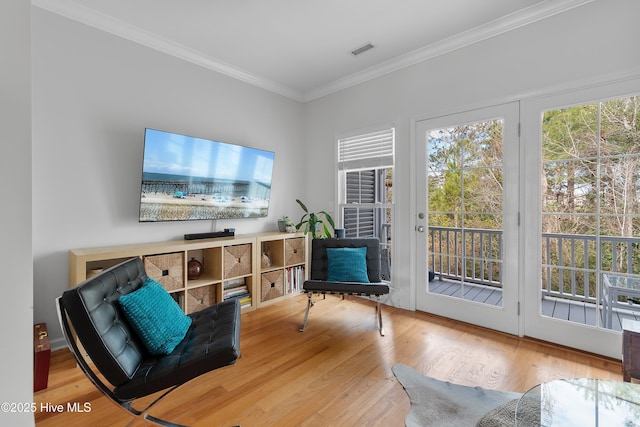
282 226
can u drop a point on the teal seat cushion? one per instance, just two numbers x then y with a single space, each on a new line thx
156 317
347 265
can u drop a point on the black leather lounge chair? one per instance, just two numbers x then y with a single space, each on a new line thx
321 281
90 311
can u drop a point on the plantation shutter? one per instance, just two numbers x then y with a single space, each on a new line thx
361 188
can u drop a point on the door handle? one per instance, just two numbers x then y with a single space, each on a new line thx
420 228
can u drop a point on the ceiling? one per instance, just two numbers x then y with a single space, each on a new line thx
302 48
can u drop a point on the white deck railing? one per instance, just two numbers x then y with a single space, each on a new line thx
570 263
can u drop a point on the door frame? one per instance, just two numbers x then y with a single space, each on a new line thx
503 318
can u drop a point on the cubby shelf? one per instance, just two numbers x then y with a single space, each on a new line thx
231 267
283 266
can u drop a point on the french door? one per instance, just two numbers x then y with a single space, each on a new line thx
582 229
467 216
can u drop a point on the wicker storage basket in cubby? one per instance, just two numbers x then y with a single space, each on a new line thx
272 285
167 269
294 251
200 298
237 260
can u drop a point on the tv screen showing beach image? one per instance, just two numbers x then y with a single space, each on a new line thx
186 178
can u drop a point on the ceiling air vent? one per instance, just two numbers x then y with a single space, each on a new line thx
362 49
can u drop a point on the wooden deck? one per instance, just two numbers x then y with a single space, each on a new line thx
558 308
477 293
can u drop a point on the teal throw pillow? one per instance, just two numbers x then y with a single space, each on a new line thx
347 265
156 317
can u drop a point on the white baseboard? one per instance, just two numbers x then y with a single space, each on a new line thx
58 344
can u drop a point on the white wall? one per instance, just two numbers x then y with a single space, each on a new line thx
16 309
93 95
581 46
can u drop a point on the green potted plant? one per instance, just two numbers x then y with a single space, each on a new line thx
283 223
312 222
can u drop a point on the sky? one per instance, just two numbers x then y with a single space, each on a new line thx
176 154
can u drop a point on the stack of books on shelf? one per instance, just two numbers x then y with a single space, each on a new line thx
237 288
179 298
295 279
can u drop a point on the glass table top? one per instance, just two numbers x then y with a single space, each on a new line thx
580 402
621 281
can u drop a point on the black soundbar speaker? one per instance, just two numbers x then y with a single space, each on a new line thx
228 232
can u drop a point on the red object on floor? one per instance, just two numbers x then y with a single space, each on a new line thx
41 356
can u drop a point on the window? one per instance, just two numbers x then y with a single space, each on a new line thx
365 183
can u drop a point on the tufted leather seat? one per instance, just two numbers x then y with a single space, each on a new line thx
212 341
318 283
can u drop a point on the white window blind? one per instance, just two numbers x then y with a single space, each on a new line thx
366 151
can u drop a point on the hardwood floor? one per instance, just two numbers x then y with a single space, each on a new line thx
337 372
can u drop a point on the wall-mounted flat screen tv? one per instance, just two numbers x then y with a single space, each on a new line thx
186 178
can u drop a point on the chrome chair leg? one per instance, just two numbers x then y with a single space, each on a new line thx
379 313
306 314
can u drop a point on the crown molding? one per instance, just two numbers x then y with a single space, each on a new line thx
80 13
494 28
100 21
